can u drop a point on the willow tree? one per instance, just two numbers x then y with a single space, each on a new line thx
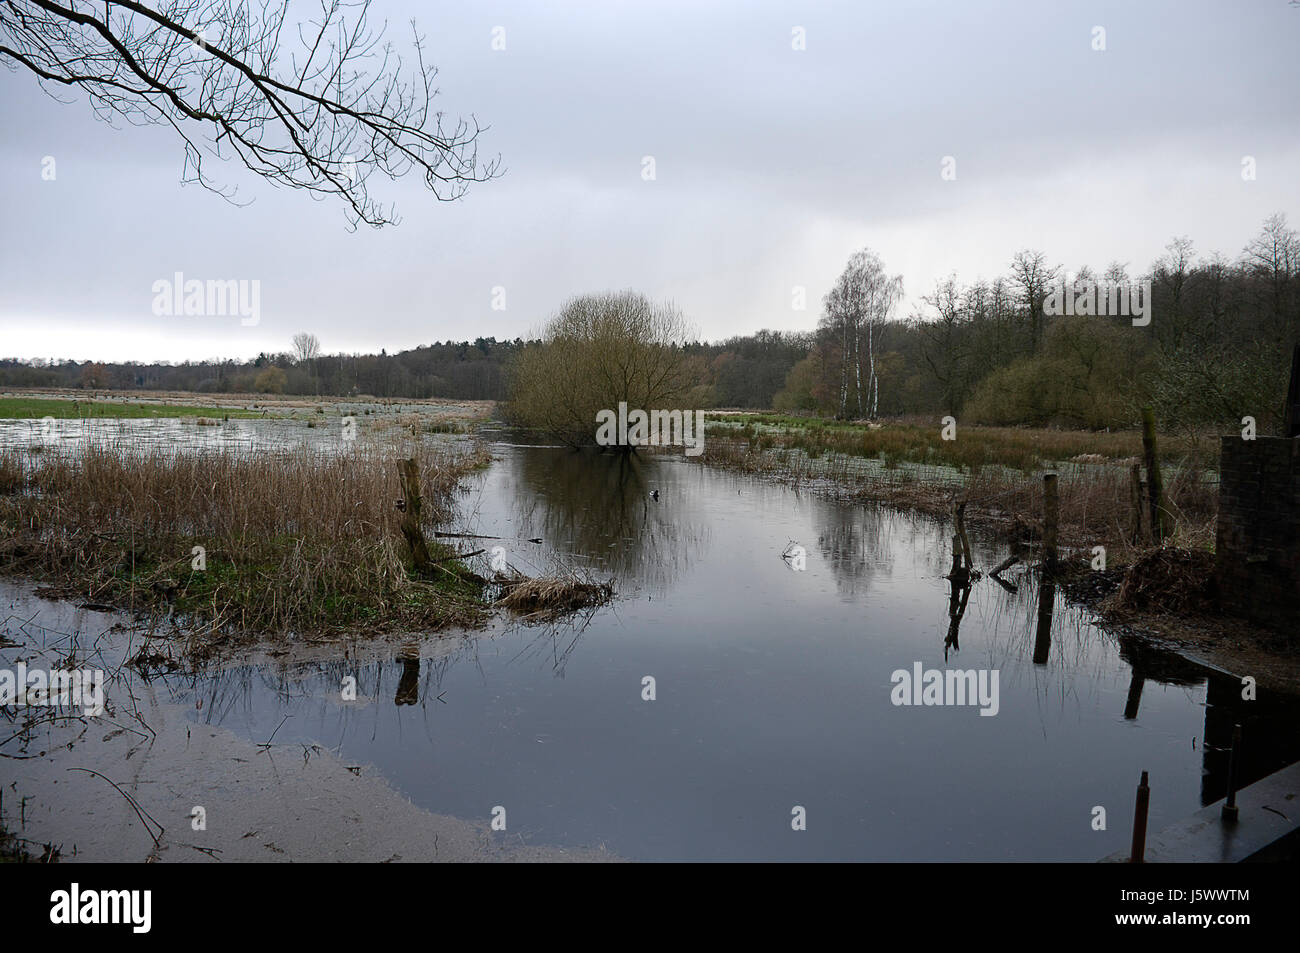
598 351
861 300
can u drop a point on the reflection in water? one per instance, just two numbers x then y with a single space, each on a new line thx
858 543
1043 634
956 609
408 686
597 509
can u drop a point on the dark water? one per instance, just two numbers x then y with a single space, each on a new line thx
773 688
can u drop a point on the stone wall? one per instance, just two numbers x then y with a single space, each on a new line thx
1257 563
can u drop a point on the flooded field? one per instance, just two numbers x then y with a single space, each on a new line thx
724 690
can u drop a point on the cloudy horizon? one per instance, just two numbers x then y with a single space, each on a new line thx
772 166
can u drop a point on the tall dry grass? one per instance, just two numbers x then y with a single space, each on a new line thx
296 541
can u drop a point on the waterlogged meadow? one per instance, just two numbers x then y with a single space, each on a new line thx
731 702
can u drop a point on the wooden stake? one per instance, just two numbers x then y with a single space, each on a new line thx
1050 506
1291 421
1160 522
959 512
1135 474
419 549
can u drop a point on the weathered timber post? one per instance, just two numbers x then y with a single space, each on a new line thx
1291 420
1051 503
419 549
959 511
1160 527
1135 474
1140 822
1230 812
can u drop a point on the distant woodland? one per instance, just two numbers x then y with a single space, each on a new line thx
1218 347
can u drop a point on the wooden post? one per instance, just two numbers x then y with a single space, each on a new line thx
1135 474
1230 811
1140 822
959 512
410 476
1160 527
1291 421
1050 506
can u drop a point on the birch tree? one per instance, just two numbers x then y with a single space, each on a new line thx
863 298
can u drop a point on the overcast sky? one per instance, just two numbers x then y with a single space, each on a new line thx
772 165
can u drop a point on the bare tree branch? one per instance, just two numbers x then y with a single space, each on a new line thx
340 108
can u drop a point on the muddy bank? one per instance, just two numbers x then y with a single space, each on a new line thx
1166 599
124 786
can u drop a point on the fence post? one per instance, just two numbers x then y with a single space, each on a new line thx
1050 507
1140 822
1291 422
1230 812
1160 527
1135 475
412 503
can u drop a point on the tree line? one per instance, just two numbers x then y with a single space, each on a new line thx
1217 347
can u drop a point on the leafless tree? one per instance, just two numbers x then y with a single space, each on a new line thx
1029 270
1274 255
320 114
307 348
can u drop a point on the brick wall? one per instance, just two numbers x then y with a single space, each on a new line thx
1257 564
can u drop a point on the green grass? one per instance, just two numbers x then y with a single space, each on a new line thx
35 408
897 442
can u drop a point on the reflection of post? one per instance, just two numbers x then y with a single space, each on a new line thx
1135 684
1140 822
1043 639
408 686
956 609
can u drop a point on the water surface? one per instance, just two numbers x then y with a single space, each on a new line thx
772 687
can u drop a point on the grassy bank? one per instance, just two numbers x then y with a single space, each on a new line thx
36 408
298 541
921 441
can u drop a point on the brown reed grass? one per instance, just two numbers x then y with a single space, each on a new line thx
295 541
